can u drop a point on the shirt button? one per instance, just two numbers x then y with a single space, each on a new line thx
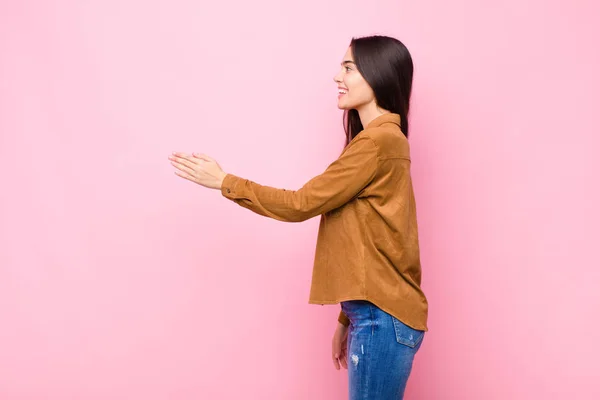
228 191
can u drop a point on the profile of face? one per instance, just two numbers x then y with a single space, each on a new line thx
353 90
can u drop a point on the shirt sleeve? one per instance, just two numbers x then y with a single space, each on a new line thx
343 319
343 179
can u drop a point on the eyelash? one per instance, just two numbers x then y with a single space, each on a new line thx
348 69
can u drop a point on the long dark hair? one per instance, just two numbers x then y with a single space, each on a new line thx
387 66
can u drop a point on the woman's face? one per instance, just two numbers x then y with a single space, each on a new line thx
353 91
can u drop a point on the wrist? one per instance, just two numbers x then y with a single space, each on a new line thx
223 175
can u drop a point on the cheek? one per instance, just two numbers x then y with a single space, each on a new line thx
359 88
352 86
349 81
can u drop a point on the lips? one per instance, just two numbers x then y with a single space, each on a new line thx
342 90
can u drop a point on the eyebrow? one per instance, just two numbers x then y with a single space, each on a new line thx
348 62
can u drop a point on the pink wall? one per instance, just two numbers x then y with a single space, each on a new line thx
120 281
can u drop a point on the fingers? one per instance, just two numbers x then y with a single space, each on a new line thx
198 168
340 360
185 176
335 358
336 350
344 361
344 351
183 167
203 157
183 158
336 363
194 158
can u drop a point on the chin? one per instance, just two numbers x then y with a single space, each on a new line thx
343 106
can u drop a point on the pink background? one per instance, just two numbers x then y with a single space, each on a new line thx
119 280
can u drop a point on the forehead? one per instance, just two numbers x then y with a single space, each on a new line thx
348 55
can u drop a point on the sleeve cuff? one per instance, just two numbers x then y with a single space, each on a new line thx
343 319
228 186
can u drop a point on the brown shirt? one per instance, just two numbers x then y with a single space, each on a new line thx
367 245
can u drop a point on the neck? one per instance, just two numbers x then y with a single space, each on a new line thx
369 112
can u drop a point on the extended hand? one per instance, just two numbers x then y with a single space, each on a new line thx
198 168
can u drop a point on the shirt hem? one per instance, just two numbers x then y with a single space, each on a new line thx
367 298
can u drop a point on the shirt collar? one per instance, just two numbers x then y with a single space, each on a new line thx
384 119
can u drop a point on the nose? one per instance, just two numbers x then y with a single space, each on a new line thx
337 78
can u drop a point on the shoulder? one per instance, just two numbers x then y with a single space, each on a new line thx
388 138
362 143
384 132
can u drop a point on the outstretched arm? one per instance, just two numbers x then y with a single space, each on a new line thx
340 183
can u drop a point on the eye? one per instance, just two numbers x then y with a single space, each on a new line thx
348 68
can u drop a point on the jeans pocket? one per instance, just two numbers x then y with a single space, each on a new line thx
406 335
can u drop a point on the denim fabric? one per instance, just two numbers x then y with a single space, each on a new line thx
381 350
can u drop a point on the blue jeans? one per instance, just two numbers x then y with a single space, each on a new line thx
381 350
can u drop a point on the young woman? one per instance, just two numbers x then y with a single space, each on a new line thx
367 255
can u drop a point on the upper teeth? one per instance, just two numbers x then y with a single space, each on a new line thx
342 91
